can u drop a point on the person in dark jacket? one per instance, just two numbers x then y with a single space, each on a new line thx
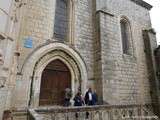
95 98
89 97
78 100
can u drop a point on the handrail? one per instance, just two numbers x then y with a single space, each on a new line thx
133 111
82 108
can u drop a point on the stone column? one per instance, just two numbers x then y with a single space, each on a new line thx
157 57
150 45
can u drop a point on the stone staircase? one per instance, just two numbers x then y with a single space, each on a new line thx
99 112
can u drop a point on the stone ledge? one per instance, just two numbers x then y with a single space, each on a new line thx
59 109
4 36
143 4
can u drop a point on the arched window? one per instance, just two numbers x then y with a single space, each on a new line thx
126 36
61 20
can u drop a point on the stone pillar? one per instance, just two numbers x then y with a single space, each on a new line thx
149 37
97 53
157 58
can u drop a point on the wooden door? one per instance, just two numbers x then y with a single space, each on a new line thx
55 79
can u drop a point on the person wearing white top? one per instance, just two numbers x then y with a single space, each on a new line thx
88 97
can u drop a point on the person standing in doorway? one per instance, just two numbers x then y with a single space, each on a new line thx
68 95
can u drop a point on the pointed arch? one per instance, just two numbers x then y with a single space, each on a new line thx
39 59
56 78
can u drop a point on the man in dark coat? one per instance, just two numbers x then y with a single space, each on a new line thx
89 97
95 98
78 101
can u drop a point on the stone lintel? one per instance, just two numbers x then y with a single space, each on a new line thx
143 4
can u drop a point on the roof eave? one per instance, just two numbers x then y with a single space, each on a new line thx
143 4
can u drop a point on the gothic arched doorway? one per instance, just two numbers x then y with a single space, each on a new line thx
56 77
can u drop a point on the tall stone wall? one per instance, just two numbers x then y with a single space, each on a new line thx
8 56
124 77
119 78
37 23
150 45
157 57
37 18
84 39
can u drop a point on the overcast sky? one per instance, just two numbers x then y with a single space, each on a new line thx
155 16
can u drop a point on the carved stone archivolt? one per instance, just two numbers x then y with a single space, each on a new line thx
39 59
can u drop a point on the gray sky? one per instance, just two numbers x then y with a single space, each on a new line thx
155 16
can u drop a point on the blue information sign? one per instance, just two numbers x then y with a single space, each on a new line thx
28 42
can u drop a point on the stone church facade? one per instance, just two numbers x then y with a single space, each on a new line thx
50 45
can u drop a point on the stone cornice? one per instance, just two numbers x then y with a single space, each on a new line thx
143 4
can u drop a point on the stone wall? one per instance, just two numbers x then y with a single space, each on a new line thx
7 47
84 39
118 78
124 77
150 45
3 99
36 24
157 57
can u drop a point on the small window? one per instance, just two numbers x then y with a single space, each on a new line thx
126 37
